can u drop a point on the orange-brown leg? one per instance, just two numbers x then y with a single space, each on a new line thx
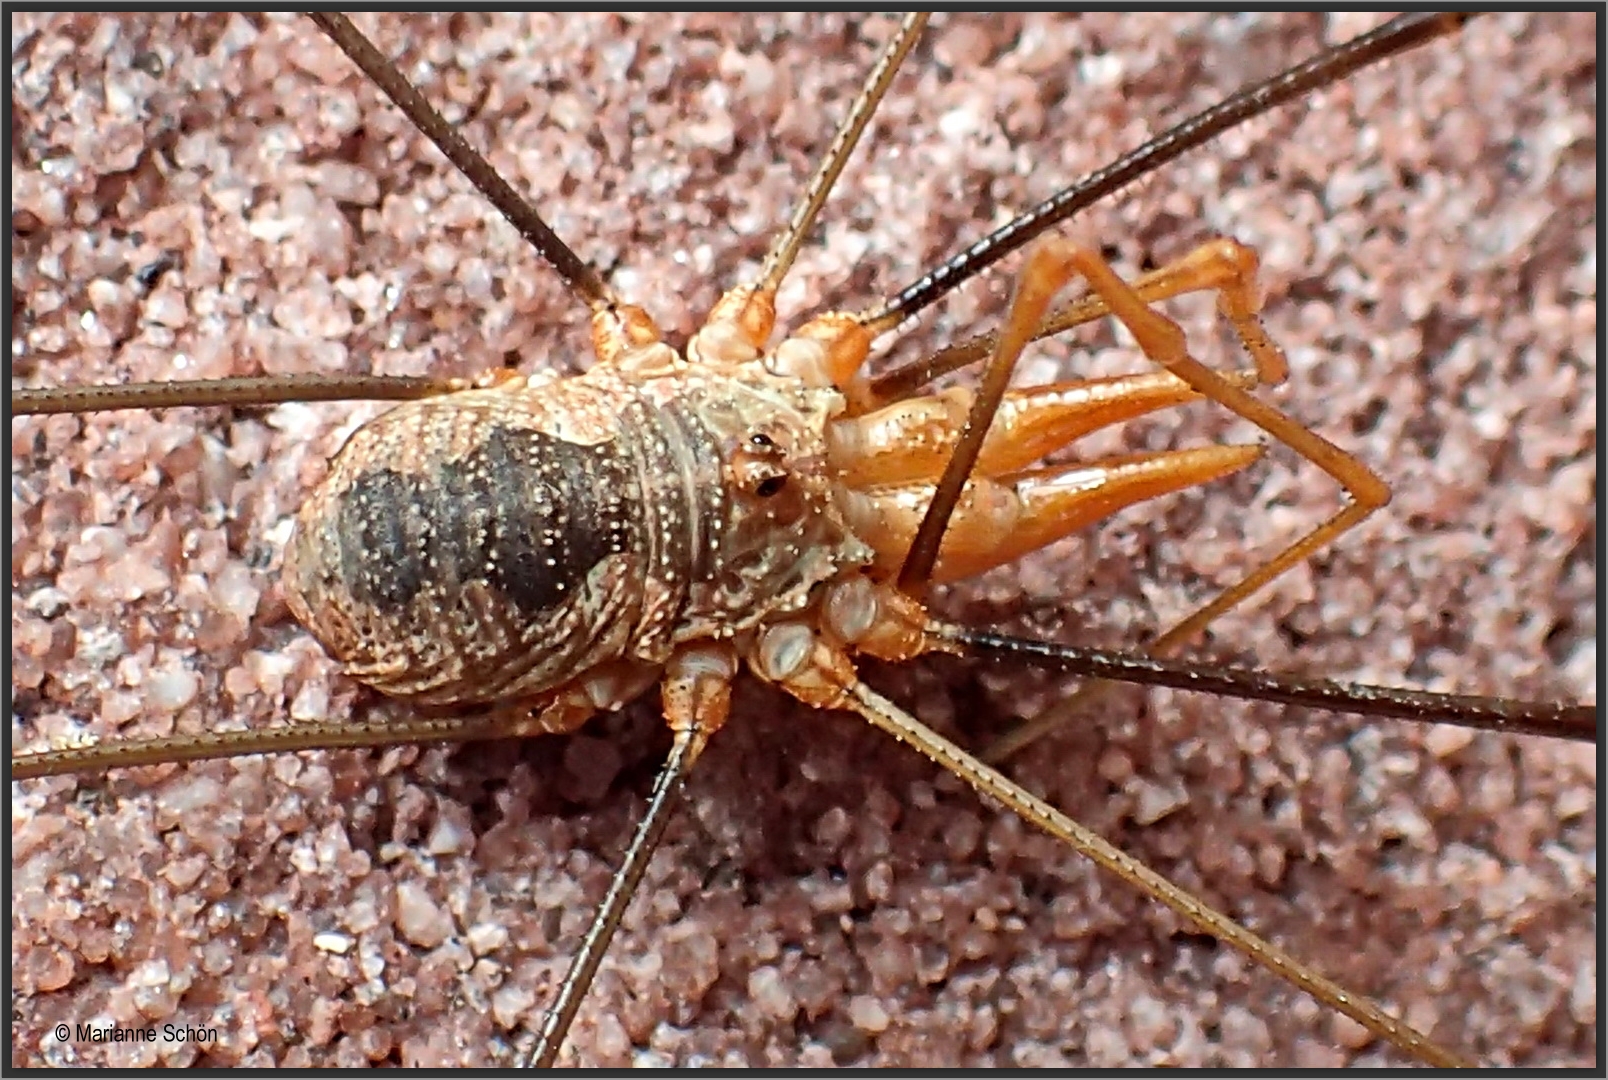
1230 269
1163 342
999 520
911 441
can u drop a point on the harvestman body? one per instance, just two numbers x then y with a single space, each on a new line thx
755 419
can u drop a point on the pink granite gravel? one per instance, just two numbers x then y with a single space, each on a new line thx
1427 232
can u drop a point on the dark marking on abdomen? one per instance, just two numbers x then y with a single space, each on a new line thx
526 513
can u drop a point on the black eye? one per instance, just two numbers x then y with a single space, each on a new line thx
770 486
762 440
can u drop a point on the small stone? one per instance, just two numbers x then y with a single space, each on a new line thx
418 917
331 942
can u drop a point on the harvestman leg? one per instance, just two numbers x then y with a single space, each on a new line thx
696 686
1230 269
1163 342
824 676
696 691
739 326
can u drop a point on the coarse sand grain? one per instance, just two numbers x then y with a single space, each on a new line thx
198 196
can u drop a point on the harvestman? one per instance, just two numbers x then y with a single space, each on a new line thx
1091 267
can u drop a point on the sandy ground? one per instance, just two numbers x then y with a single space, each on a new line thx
1427 233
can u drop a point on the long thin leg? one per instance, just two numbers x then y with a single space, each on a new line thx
988 781
1511 716
1331 65
823 676
577 273
1162 341
210 745
583 968
616 326
784 249
247 390
749 311
563 712
697 697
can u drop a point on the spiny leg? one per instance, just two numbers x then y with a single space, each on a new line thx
739 326
1210 266
697 698
616 326
1162 341
821 674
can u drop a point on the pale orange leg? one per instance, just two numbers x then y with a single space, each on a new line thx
911 441
999 520
1163 342
1231 270
1219 265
